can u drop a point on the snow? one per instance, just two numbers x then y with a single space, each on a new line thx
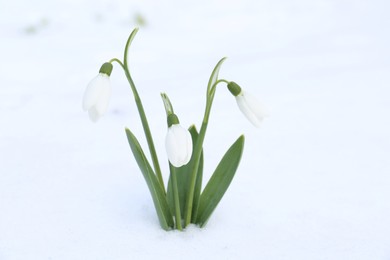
314 179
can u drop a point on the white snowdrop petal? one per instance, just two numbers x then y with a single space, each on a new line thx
97 96
188 148
104 98
92 93
249 109
171 148
257 108
177 145
180 134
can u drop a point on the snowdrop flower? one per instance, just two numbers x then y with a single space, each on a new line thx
248 104
178 142
97 93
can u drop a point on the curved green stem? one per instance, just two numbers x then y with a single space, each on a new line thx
145 125
198 151
141 110
210 99
117 61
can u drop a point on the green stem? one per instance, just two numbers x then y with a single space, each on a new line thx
219 81
198 151
117 61
141 110
176 197
191 191
145 125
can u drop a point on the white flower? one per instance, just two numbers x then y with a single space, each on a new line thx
179 145
248 105
97 96
251 108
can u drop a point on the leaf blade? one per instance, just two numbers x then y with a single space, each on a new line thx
160 202
199 179
214 78
220 181
127 47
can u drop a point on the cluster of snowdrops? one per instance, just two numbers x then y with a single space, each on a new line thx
183 202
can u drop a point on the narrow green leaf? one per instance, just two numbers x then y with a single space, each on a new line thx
177 211
158 196
214 78
199 177
167 104
197 190
219 181
170 194
183 180
127 47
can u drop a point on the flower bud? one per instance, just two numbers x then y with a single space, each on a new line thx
248 104
178 144
98 92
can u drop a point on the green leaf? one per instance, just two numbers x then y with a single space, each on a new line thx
158 196
214 78
127 47
219 181
183 175
197 191
170 194
167 104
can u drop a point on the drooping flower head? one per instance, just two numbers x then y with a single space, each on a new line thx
178 142
249 106
98 92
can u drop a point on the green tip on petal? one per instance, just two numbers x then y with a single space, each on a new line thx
234 88
106 68
172 120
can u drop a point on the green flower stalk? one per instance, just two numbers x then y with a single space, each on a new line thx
179 149
183 202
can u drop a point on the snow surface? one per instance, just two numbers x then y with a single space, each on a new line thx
314 179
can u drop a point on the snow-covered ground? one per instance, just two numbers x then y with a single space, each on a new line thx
314 182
